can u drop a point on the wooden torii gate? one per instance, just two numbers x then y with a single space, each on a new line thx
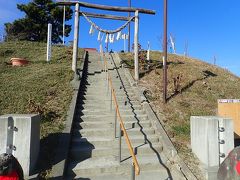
77 5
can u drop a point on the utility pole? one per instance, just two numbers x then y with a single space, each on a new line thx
165 52
129 28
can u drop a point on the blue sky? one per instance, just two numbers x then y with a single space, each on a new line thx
211 28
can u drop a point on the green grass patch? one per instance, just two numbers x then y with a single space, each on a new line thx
40 88
181 130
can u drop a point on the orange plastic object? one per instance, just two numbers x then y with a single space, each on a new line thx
19 61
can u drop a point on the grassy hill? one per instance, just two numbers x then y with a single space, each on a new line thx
200 86
40 87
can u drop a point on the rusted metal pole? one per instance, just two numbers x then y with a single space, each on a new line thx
129 28
165 52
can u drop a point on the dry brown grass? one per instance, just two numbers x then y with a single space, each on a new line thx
201 85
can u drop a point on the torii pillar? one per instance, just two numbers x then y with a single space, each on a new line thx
75 42
136 32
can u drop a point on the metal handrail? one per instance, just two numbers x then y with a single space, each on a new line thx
113 94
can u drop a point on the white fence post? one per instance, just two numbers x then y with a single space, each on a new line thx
49 43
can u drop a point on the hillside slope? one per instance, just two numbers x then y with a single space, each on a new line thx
200 86
40 88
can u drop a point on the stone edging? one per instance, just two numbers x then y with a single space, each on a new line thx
168 148
62 149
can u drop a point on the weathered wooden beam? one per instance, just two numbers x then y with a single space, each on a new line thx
104 16
104 7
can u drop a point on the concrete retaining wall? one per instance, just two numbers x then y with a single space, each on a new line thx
62 150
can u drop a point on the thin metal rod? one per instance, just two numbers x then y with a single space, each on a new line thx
75 42
64 17
133 172
120 143
129 27
136 46
104 7
165 53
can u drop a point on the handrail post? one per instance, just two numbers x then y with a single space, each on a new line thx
111 99
120 143
133 172
108 86
115 124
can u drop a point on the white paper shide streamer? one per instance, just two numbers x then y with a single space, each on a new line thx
91 31
118 35
111 38
106 39
172 44
101 48
99 36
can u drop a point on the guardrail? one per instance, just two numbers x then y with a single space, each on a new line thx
122 129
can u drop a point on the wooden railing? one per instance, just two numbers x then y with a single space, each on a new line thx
118 116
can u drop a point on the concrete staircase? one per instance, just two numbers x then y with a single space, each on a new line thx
94 149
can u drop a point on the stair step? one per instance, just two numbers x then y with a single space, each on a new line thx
111 116
105 92
145 175
111 119
99 124
102 97
87 151
108 141
101 107
110 165
104 88
110 131
107 102
107 112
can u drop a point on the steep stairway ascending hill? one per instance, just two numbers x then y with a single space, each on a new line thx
94 149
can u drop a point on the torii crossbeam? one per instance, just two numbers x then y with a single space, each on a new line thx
77 5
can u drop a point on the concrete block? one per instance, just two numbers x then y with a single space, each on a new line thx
210 172
21 137
226 137
204 139
212 138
